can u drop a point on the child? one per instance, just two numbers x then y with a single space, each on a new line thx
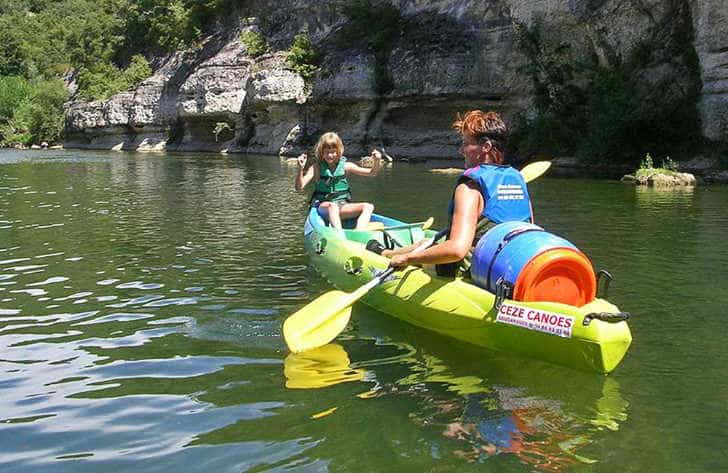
332 194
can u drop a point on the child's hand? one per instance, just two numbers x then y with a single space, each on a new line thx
377 162
302 160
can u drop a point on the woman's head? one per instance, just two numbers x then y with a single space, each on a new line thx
484 136
329 147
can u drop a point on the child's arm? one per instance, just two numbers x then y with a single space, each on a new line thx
352 168
304 177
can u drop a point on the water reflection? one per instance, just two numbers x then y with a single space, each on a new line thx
476 419
319 368
667 198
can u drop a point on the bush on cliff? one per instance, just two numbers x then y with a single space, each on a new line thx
302 57
254 42
103 80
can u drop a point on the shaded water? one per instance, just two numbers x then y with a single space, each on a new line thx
141 298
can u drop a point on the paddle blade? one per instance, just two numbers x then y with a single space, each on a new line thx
535 170
319 322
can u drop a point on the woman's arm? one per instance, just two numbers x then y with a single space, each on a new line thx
304 177
357 170
468 206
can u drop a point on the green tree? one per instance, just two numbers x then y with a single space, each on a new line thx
38 117
13 90
12 57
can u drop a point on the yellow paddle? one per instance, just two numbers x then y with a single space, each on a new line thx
535 170
325 317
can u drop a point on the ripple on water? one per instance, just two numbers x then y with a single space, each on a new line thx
139 285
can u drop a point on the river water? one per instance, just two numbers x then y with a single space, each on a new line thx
142 295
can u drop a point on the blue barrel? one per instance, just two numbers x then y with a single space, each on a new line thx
551 267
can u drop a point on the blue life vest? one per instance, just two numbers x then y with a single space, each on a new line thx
504 192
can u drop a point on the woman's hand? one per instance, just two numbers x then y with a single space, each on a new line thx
302 160
399 261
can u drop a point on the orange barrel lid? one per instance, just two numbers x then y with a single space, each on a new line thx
557 275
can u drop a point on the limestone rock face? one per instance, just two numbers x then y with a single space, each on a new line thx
451 56
710 22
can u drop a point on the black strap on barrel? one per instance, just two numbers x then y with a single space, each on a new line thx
503 290
506 239
610 317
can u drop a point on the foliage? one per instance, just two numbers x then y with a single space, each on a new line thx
647 162
137 70
43 39
38 116
302 57
164 24
169 24
12 58
254 42
669 164
13 90
647 167
613 112
105 41
104 80
375 24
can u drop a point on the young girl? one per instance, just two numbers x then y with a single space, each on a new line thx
332 194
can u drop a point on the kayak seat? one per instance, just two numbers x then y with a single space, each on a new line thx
375 247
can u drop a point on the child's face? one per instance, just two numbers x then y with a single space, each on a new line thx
331 154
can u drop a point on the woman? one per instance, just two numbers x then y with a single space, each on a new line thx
486 193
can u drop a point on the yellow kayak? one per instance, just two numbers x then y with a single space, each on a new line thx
593 337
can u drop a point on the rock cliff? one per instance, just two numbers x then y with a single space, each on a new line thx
449 56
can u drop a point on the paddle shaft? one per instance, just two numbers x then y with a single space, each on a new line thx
406 225
359 293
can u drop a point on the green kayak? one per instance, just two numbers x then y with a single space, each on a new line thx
593 337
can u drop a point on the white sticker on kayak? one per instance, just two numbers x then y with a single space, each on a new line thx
534 319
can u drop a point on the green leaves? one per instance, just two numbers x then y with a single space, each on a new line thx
31 112
13 90
254 42
302 57
104 80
